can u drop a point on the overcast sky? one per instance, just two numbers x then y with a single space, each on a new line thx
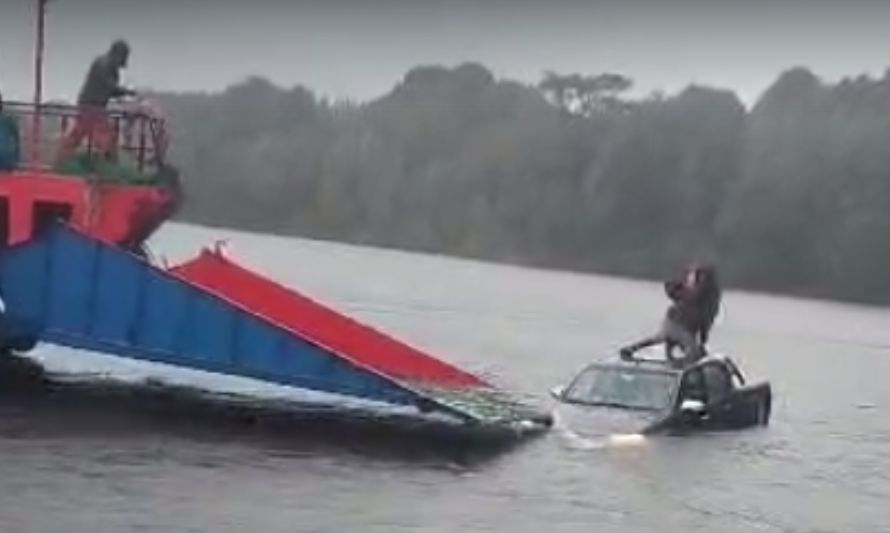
359 49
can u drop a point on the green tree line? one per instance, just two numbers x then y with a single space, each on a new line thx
791 195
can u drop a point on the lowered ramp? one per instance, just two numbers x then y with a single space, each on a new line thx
312 320
210 314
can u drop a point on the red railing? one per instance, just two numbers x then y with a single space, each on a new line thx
139 134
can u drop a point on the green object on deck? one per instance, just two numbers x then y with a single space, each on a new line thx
89 166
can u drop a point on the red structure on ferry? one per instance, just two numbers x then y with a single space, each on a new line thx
120 201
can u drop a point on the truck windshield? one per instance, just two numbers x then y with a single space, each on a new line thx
633 388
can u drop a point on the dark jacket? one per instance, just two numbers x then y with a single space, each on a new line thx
707 302
102 83
696 307
682 309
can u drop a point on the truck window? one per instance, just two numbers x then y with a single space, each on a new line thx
718 382
693 386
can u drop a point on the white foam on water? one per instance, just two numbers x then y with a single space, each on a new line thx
576 441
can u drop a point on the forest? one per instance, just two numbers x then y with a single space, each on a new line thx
788 195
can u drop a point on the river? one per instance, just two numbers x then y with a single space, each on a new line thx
821 466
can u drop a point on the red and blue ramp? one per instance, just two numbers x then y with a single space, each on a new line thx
210 314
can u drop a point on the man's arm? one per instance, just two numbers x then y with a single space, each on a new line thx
119 91
674 290
111 79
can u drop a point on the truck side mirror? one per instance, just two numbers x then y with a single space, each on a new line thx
558 392
692 407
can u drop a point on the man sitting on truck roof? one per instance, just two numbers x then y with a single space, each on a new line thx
695 301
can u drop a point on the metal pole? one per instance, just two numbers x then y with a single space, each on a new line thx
38 81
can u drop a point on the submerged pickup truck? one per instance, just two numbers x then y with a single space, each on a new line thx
648 397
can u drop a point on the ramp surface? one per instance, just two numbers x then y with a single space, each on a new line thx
312 320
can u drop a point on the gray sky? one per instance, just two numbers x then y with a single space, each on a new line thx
359 49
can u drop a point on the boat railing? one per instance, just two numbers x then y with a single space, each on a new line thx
138 136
